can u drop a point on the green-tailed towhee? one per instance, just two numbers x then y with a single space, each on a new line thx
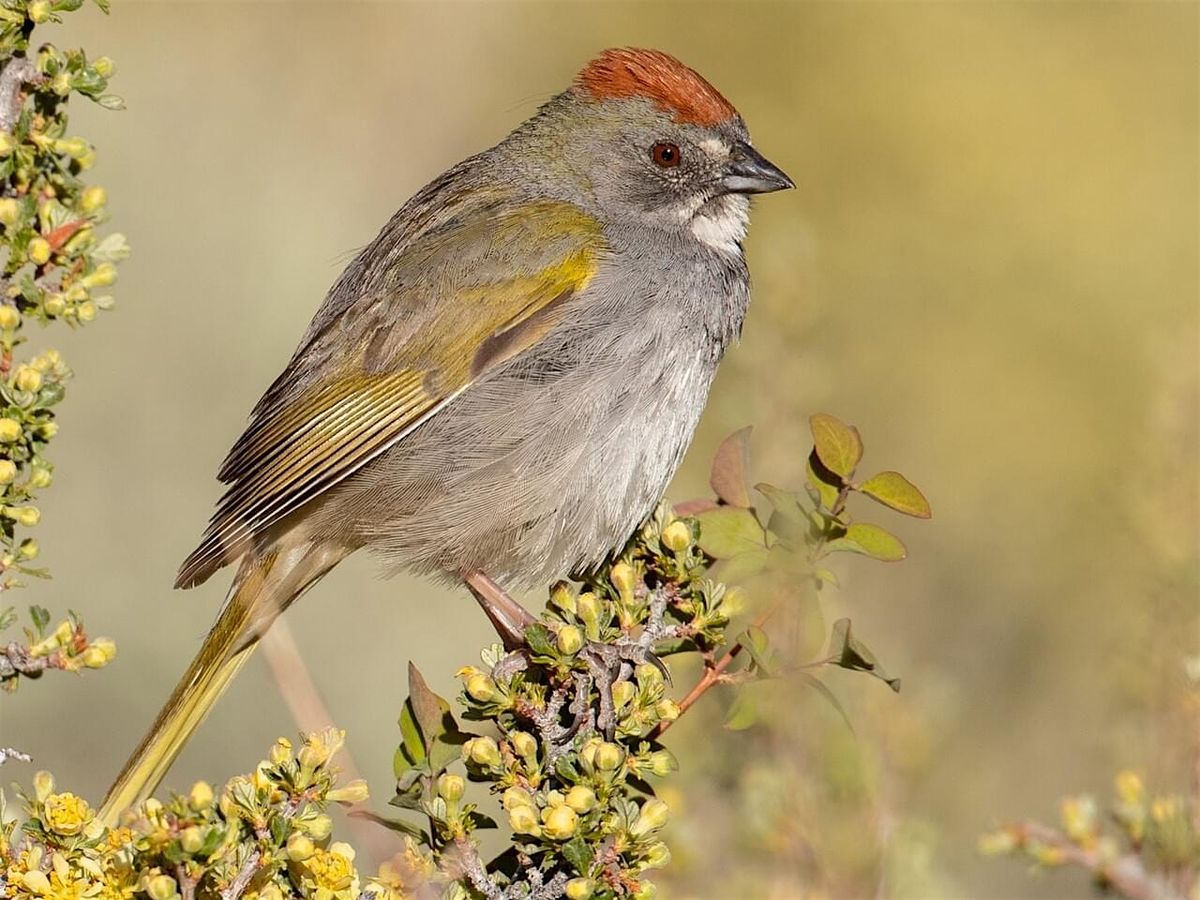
502 383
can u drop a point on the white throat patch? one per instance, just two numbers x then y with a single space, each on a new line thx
721 224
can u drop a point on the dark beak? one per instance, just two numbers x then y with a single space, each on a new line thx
749 172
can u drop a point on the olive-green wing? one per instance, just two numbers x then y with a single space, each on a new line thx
457 306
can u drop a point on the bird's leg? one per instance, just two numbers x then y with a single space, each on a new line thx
508 617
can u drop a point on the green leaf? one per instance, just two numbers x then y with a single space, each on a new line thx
741 568
400 825
412 747
894 490
445 750
838 445
728 531
481 820
869 540
789 521
40 616
823 689
540 641
578 854
755 640
743 713
7 617
851 653
729 465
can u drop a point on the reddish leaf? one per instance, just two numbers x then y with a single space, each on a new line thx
729 465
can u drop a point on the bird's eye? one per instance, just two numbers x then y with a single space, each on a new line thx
665 154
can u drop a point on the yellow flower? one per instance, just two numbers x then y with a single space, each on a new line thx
66 814
333 869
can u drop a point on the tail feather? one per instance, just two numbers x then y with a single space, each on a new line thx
265 586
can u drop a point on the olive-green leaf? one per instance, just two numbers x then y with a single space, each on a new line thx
755 640
823 689
849 652
894 490
838 445
743 712
428 708
729 530
741 568
869 540
411 751
822 480
729 465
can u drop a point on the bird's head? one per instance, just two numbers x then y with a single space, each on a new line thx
649 141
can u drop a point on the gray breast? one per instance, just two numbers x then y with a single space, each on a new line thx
553 460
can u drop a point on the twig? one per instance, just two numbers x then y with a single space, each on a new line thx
1126 874
245 873
7 753
532 887
711 676
16 74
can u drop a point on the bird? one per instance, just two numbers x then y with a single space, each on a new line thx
498 388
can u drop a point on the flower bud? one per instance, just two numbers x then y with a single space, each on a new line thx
54 305
46 430
514 797
85 311
43 786
86 160
7 144
94 658
484 752
579 888
74 147
570 640
92 199
10 212
622 693
319 827
36 882
8 471
200 797
677 536
10 430
29 549
645 891
588 752
560 822
662 762
161 887
451 787
623 579
40 477
39 251
1130 789
524 744
27 378
191 839
39 11
581 798
588 608
281 752
481 687
733 602
609 756
25 515
270 891
104 67
653 816
102 276
657 856
524 820
667 710
352 792
300 847
562 597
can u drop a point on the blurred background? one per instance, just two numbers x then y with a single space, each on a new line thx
990 266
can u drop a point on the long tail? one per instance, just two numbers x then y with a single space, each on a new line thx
264 587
